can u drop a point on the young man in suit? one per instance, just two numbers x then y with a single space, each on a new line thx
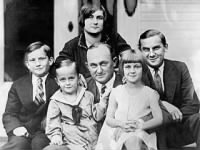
27 101
92 20
173 82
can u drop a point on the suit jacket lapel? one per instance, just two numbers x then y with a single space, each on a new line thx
51 87
26 93
92 87
170 80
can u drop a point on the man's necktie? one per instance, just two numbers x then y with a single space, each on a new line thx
103 88
39 97
158 82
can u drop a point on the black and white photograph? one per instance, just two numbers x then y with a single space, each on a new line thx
100 75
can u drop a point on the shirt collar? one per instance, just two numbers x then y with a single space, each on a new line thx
58 96
34 78
109 84
161 68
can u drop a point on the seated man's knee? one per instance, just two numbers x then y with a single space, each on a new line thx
193 121
195 117
18 143
39 142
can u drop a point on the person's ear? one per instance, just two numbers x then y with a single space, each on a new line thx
79 76
166 47
27 64
51 61
86 64
56 80
115 61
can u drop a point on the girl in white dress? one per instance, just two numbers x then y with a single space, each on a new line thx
133 109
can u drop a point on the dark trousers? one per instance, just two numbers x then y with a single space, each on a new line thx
176 135
35 142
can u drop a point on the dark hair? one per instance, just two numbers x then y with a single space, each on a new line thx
37 45
98 44
150 33
132 56
87 10
63 61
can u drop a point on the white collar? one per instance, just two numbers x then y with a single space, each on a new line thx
109 84
161 68
58 96
34 78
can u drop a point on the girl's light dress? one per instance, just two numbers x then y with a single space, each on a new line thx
59 118
129 108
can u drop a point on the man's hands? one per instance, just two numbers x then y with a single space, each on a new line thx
20 131
177 115
174 111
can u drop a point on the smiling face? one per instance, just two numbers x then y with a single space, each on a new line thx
38 62
94 23
133 72
67 78
153 50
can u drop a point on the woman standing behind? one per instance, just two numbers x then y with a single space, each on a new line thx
133 109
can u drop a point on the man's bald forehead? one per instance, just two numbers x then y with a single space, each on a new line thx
99 49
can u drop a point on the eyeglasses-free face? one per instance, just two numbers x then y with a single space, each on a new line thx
94 24
38 62
153 51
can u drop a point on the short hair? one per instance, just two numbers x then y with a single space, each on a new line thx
150 33
37 45
98 44
87 10
132 56
62 61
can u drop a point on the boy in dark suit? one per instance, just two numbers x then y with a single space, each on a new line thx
174 84
27 101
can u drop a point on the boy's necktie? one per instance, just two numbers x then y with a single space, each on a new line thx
39 97
158 82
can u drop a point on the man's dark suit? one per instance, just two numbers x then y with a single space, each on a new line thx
22 111
179 91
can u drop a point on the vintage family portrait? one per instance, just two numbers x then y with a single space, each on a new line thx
99 75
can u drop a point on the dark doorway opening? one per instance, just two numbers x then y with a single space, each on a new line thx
26 21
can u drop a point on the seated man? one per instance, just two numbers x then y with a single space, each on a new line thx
174 84
101 63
